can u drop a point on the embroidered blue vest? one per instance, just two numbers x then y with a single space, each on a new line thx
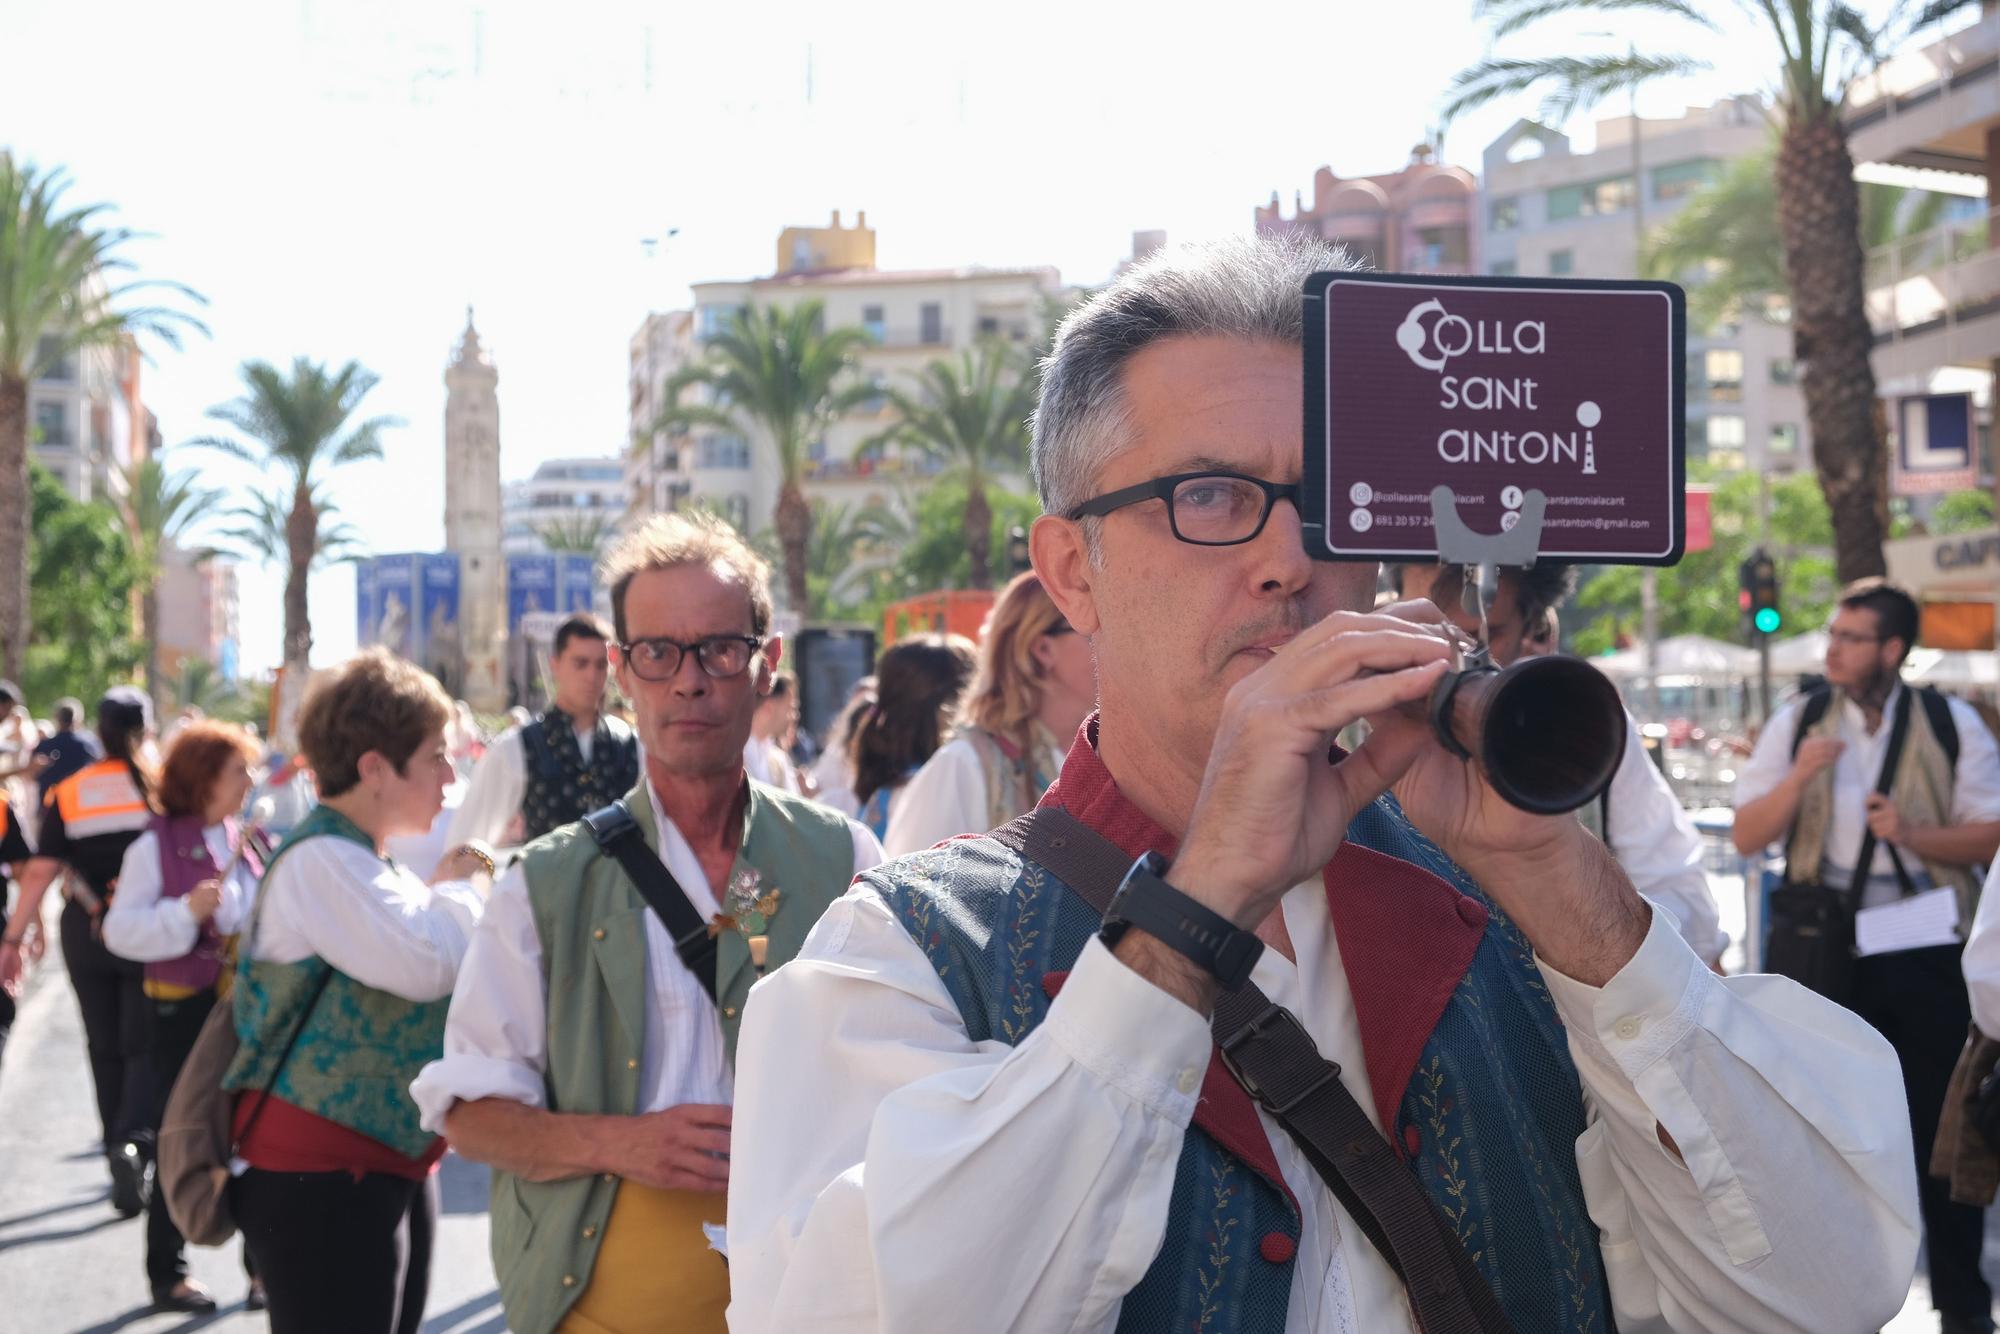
360 1047
1489 1119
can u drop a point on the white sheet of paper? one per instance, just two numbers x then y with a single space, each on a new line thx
1929 918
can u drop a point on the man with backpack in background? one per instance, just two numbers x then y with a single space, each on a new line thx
1880 793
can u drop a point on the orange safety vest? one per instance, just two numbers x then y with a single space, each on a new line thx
100 799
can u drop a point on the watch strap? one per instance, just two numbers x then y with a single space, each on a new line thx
1203 936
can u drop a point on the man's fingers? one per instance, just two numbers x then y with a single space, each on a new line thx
706 1113
1332 708
707 1141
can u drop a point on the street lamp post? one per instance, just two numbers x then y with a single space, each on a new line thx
1017 551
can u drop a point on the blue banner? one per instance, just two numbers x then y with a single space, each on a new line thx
531 587
578 581
395 606
438 650
364 602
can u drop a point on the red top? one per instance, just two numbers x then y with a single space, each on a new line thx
291 1139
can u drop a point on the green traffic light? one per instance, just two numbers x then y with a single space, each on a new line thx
1768 620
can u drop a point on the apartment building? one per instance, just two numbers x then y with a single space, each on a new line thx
912 317
1550 210
1417 220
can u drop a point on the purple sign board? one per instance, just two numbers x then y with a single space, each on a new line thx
1497 388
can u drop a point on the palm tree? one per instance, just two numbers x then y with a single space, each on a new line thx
576 532
1728 234
779 375
59 295
301 423
1821 45
263 531
160 509
969 415
197 685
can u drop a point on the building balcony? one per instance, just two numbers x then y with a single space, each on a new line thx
1446 212
1931 107
1934 300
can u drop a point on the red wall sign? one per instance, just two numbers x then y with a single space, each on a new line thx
1496 387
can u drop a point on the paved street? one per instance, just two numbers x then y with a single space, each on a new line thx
68 1265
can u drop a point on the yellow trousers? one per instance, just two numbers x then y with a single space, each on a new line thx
655 1273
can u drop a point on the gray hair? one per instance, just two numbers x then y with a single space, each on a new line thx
1241 287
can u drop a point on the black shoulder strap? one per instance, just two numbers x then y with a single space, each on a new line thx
1864 861
1272 1056
1816 703
1943 726
617 835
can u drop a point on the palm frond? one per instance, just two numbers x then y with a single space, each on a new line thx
1573 83
1511 16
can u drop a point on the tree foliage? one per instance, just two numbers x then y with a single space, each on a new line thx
82 574
1699 595
64 288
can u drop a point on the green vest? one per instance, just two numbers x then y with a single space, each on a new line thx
361 1047
591 925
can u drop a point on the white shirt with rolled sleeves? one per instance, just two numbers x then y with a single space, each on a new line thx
1656 842
1975 792
496 1037
883 1161
374 921
141 926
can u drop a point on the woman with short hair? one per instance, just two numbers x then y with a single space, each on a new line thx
919 683
183 890
1035 686
349 959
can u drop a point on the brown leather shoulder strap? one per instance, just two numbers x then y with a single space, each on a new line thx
1272 1056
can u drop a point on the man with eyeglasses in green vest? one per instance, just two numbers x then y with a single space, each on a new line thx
590 1048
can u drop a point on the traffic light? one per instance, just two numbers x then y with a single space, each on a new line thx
1757 594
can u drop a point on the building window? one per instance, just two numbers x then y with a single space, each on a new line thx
1724 366
1725 431
1592 200
1677 180
723 451
1784 370
989 326
873 324
931 324
712 320
1503 215
52 425
1562 263
1784 439
58 368
1503 268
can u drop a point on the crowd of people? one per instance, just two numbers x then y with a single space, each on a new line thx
1071 980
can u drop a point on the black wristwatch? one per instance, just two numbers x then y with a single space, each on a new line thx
1211 941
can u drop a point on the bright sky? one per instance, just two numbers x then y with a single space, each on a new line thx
341 179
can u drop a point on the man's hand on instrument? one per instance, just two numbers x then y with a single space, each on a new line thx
1272 810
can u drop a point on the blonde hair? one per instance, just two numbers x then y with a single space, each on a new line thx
696 537
1007 691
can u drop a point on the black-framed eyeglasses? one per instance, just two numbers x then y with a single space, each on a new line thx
721 656
1205 509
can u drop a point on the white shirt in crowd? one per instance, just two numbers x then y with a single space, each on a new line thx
1656 842
422 852
496 1038
141 926
948 797
1981 959
835 778
499 785
376 922
767 762
894 1158
1975 784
